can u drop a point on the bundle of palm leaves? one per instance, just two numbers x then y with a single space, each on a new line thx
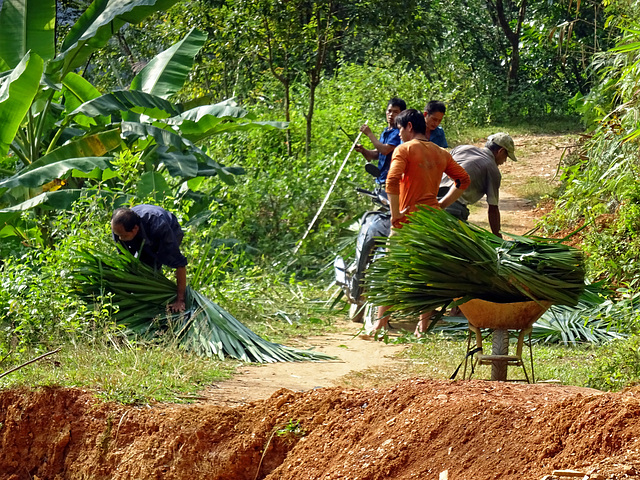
436 258
142 295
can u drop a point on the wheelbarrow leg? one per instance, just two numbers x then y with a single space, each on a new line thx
466 358
533 372
472 353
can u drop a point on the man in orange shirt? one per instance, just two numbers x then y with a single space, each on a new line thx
414 179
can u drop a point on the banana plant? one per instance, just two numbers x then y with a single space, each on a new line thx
55 124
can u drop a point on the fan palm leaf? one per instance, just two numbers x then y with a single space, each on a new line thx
142 295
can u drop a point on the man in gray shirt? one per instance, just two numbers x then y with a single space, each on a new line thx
482 166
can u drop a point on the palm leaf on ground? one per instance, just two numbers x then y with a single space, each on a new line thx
142 296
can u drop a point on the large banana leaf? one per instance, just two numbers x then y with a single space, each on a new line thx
204 121
226 174
134 131
36 177
60 199
225 110
90 146
27 26
17 91
96 26
153 184
166 73
123 101
176 152
179 164
77 91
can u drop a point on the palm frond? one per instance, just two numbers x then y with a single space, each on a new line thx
143 294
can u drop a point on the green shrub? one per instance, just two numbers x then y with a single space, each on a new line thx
37 307
617 365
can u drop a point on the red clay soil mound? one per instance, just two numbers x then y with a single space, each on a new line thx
417 429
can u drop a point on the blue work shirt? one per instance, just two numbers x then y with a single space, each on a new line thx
390 136
437 137
158 240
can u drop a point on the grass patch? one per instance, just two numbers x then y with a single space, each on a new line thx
437 357
277 311
134 372
568 365
535 188
130 373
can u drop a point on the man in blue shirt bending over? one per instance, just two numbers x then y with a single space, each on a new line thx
153 235
433 115
389 140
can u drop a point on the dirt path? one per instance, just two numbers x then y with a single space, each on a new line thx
255 382
538 158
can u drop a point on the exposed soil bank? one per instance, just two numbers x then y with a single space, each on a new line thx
417 429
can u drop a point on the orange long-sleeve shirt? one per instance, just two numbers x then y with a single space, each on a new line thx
416 171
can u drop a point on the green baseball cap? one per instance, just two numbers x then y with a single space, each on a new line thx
506 142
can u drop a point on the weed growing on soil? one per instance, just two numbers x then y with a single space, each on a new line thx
293 428
617 365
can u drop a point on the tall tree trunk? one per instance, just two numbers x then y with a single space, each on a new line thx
287 113
283 78
315 73
497 12
309 117
514 66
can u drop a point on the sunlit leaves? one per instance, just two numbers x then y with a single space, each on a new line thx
17 91
27 26
166 73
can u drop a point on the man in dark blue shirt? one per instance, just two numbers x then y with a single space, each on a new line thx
433 115
389 140
153 235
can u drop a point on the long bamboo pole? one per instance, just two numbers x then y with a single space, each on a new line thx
326 197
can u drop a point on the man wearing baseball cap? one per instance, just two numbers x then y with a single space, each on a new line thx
482 166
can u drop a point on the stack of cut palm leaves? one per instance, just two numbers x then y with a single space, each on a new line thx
142 296
436 258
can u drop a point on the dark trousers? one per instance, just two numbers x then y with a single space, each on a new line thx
456 209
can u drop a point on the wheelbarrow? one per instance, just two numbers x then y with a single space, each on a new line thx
500 318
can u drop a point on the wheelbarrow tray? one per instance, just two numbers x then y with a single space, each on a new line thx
503 316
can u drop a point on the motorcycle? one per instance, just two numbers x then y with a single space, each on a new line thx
374 223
